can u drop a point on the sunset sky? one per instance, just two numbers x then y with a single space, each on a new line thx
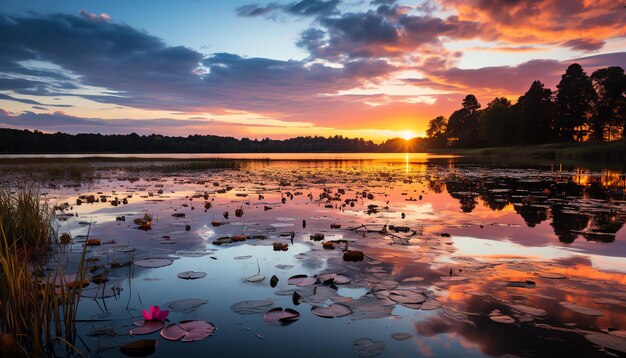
374 69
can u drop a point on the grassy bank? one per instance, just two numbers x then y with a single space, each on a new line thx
592 154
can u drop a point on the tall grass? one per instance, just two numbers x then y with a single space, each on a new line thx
27 220
38 313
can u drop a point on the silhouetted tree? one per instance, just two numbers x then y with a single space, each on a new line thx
535 116
463 123
437 131
496 122
610 85
575 100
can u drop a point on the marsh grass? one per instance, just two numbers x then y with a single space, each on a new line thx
26 220
37 313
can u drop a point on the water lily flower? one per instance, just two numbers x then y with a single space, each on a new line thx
155 314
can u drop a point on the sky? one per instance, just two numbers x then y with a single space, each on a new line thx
374 69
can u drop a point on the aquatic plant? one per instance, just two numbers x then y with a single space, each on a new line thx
27 220
155 313
36 311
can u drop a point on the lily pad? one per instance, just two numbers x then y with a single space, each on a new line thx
401 336
337 278
607 341
255 278
332 311
581 309
366 347
309 281
188 331
533 311
252 307
430 305
296 279
147 327
407 296
154 263
191 275
139 348
186 304
413 279
280 316
497 316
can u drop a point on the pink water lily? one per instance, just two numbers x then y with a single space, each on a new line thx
155 314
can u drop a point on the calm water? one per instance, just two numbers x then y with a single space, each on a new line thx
463 259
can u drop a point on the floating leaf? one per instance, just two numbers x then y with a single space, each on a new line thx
191 275
154 263
407 296
607 341
186 304
140 348
309 281
252 307
366 347
280 316
533 311
497 316
188 331
332 311
413 279
246 257
273 281
294 280
581 309
255 278
430 305
147 327
337 278
401 336
617 332
502 319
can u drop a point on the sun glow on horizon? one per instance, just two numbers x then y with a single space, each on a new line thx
407 134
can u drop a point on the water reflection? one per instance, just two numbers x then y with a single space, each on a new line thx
541 245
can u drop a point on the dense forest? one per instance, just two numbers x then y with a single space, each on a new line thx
25 141
583 108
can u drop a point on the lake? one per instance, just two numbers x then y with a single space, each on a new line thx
461 256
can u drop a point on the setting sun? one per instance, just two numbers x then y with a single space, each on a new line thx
407 134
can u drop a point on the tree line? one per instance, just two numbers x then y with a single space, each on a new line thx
26 141
582 108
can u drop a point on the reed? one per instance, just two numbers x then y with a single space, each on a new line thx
27 220
37 314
